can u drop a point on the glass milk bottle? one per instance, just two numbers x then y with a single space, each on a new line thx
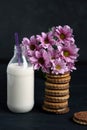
20 83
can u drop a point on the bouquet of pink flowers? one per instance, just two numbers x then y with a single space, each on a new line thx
53 52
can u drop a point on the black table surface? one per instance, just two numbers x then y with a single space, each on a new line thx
37 118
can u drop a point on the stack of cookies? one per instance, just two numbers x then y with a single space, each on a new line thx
57 93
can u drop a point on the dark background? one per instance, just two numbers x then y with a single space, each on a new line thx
28 17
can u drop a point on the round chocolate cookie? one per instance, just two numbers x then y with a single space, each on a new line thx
59 80
56 99
56 92
55 105
80 117
56 86
58 76
56 111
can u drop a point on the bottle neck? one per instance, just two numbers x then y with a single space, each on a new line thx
17 50
21 58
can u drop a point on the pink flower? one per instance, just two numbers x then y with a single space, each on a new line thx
41 60
45 39
58 67
71 66
54 51
64 34
25 41
24 45
30 45
70 53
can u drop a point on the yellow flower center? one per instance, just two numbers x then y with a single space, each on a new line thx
62 36
66 53
58 67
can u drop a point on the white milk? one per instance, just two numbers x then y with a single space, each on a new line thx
20 88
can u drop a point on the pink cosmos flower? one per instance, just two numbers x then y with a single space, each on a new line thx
41 60
58 67
30 45
64 34
54 52
71 66
25 41
24 45
45 39
70 53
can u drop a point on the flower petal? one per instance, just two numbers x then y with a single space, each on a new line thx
37 54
